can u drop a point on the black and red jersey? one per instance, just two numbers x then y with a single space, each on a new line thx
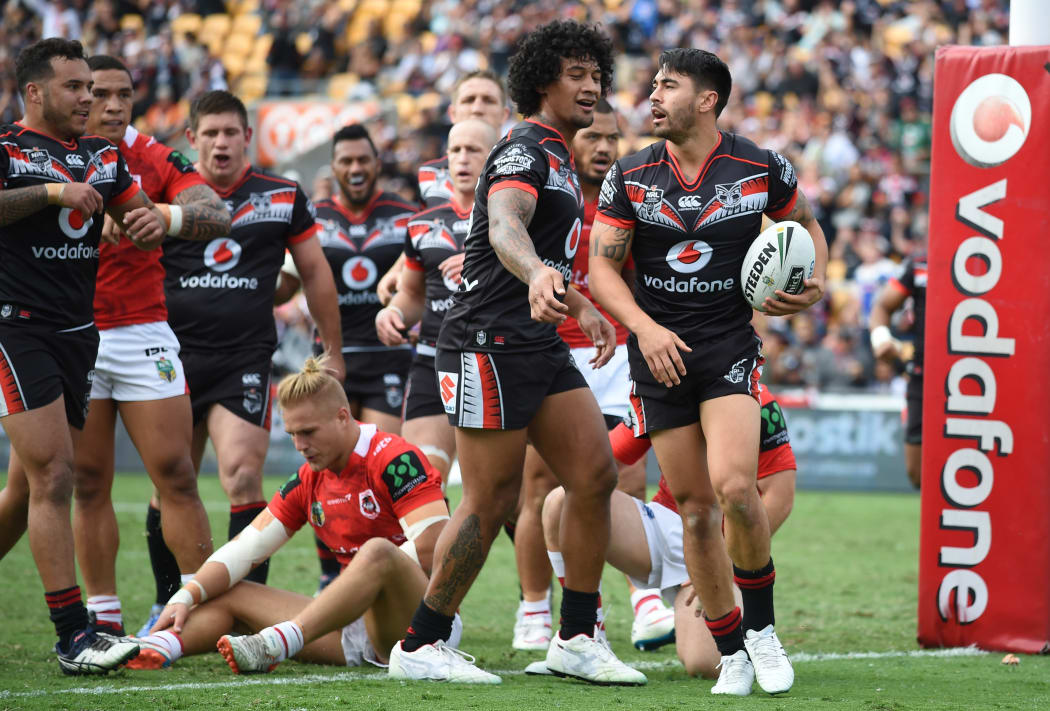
912 281
435 182
434 235
48 260
360 249
691 234
491 311
220 293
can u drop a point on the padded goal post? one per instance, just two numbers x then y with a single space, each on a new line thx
984 557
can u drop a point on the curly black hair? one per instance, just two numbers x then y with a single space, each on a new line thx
537 63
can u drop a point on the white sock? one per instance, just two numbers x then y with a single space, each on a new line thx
558 564
645 601
106 609
168 641
537 607
286 638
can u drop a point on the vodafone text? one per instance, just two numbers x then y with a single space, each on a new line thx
66 252
218 281
357 298
692 285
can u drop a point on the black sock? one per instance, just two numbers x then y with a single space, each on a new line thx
165 568
427 627
756 589
727 631
68 614
240 517
579 613
329 563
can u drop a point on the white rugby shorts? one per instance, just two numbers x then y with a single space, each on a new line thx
611 384
663 532
138 362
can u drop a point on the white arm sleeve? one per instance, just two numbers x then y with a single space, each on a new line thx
249 548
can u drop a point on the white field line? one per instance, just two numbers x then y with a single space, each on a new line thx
801 657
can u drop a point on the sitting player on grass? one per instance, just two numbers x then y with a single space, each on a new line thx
646 541
371 497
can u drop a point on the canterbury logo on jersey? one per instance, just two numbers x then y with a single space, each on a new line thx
431 234
744 197
651 207
271 206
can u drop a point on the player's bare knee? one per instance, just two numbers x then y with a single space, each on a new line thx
701 518
177 481
54 484
243 483
597 485
736 496
378 554
552 506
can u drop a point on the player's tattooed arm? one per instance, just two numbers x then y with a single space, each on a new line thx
204 216
611 242
20 203
510 212
802 213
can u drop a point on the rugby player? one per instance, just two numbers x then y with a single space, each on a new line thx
433 263
646 541
512 378
595 148
55 183
687 208
220 297
911 282
476 95
372 498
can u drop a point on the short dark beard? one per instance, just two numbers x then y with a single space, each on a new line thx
586 178
368 195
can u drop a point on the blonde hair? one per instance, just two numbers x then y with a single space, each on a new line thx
313 383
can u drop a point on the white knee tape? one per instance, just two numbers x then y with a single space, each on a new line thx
431 451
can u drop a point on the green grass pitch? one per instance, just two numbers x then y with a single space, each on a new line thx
846 599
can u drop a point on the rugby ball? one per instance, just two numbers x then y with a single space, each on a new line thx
781 257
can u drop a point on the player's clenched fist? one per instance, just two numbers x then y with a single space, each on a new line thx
545 286
390 326
145 226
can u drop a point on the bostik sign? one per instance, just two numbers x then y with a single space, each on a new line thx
984 559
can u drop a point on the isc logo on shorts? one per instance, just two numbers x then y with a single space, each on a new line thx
448 387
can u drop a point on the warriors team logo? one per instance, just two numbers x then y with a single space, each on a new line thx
222 254
165 370
5 312
729 194
260 202
394 391
72 223
366 501
990 120
359 273
317 514
689 256
252 402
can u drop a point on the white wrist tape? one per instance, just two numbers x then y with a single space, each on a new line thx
175 225
881 335
250 547
204 593
182 597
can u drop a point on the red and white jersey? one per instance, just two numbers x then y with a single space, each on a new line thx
774 447
129 288
386 479
569 330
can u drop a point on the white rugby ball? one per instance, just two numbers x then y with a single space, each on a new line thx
781 257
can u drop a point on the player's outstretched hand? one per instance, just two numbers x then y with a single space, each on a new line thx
83 198
390 326
602 335
172 617
452 267
787 304
546 285
661 347
145 226
111 231
387 286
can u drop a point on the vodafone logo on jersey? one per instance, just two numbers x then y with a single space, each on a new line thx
222 254
572 240
990 120
72 223
689 256
359 273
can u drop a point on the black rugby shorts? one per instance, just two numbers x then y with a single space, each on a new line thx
422 398
38 364
502 391
728 365
913 422
376 378
238 380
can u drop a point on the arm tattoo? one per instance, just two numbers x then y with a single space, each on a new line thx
20 203
612 243
510 212
204 215
802 213
459 567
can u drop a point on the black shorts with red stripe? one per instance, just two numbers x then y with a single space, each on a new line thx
38 364
237 380
502 391
422 398
725 366
376 377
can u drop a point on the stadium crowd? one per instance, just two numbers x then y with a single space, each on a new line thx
843 89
